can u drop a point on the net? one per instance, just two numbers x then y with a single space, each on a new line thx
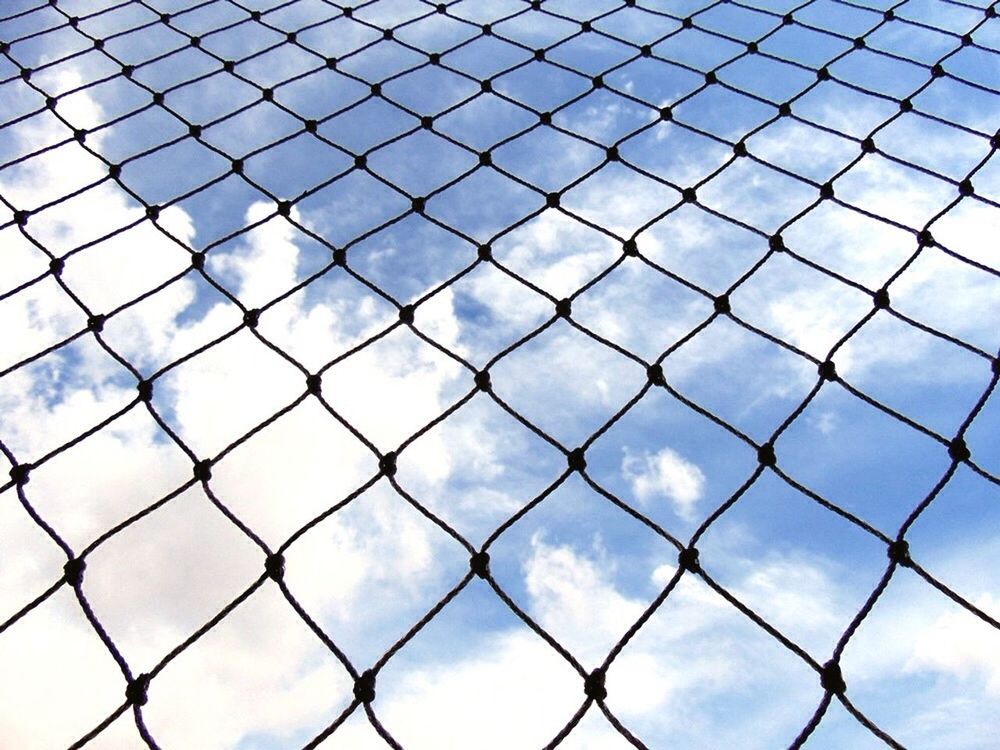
163 52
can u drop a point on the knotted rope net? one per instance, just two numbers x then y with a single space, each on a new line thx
438 64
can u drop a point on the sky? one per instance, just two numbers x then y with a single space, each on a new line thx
321 207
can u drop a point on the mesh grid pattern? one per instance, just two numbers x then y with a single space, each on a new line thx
262 29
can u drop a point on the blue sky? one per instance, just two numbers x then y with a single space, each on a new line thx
698 673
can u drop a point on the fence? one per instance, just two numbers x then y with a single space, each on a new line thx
745 26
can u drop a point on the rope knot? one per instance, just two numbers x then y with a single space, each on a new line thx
275 566
831 678
688 559
576 460
654 373
364 687
203 470
73 571
765 455
958 450
480 564
828 370
899 553
145 388
135 693
20 474
593 685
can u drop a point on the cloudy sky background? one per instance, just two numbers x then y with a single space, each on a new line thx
698 673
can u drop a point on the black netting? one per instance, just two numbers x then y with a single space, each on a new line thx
91 35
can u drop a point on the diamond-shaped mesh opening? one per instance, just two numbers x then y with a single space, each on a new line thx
495 467
634 292
530 373
591 54
571 411
397 369
550 573
50 669
850 432
135 596
411 257
524 157
502 203
795 536
396 163
299 484
556 252
402 566
497 311
700 630
82 493
602 117
543 87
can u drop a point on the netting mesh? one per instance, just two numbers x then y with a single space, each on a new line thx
93 37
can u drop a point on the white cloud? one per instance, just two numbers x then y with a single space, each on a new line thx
171 576
53 658
962 645
564 587
667 683
918 644
553 251
260 672
665 474
785 298
697 672
813 312
516 692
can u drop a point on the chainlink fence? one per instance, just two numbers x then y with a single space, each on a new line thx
94 36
